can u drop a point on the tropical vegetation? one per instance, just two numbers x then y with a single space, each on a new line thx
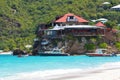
19 18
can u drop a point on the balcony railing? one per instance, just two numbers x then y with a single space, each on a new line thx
86 34
74 34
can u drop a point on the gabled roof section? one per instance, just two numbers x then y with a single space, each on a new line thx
64 18
100 24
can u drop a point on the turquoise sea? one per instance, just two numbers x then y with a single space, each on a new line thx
13 67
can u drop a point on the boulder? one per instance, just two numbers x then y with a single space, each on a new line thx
18 52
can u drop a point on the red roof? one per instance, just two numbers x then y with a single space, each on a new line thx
64 18
100 24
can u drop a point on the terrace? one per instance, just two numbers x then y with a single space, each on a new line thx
70 24
75 30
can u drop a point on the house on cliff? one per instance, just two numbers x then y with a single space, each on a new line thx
71 24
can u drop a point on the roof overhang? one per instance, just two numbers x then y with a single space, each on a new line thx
75 27
57 28
118 6
83 26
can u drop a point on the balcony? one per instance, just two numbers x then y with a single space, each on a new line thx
86 34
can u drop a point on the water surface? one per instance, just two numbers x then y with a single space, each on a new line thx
11 65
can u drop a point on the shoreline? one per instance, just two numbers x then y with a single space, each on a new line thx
106 71
105 74
95 74
100 74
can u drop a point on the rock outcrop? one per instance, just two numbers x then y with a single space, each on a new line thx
19 52
74 47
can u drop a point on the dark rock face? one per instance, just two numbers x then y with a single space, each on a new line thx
35 52
19 52
74 47
36 44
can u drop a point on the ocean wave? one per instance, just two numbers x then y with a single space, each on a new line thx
41 75
111 65
54 74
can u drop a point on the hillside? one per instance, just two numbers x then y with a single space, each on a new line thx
20 18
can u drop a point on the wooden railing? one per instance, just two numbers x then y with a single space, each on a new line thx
87 34
75 34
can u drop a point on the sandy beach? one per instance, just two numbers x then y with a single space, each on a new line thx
103 74
108 74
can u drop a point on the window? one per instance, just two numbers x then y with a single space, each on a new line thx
71 17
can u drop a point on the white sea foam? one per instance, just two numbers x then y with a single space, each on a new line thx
112 65
42 75
53 74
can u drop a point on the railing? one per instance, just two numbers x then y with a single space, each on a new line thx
87 34
55 36
75 34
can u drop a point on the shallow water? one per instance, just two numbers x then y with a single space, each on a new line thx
13 65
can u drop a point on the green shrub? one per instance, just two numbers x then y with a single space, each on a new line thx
6 49
90 46
93 40
103 45
70 37
117 44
